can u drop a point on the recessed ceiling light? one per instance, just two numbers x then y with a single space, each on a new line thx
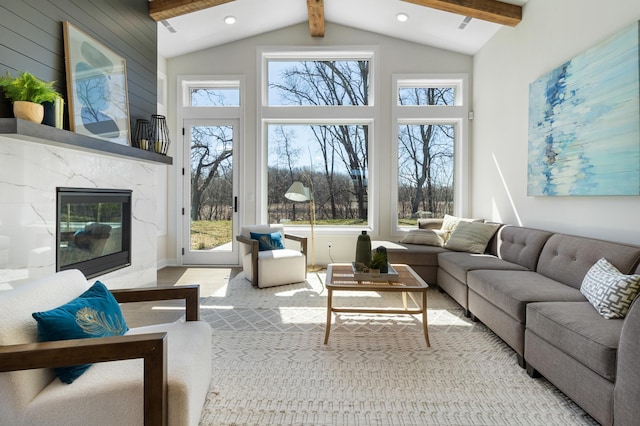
402 17
168 26
464 22
230 20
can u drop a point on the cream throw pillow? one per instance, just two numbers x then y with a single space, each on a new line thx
427 237
449 224
608 290
471 237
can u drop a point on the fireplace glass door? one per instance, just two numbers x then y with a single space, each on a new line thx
93 230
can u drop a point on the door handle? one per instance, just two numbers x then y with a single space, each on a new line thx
235 204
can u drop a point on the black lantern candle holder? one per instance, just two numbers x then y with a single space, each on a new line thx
141 134
159 135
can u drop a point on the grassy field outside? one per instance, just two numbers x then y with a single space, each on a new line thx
209 234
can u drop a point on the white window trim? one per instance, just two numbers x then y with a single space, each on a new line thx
457 115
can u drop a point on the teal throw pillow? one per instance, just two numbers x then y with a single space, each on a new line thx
272 241
95 313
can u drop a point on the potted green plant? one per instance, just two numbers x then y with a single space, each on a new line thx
27 92
378 261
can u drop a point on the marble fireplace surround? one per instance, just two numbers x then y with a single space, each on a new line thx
31 168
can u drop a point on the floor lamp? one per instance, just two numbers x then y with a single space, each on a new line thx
298 192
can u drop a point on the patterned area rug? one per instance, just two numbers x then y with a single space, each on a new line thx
270 366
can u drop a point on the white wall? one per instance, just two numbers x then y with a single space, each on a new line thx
162 173
551 33
239 58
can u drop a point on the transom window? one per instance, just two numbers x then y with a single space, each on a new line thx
318 83
429 93
217 93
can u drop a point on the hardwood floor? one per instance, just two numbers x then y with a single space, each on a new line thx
146 313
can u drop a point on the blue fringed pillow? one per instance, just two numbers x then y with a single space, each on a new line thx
95 313
272 241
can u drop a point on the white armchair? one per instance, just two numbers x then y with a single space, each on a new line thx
152 375
272 267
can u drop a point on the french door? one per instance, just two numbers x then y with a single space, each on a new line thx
210 205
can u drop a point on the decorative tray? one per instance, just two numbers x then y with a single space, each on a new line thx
391 276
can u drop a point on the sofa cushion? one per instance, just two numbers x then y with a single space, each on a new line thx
471 237
567 258
410 254
277 267
512 290
609 291
18 388
428 237
430 223
576 329
521 245
95 313
457 264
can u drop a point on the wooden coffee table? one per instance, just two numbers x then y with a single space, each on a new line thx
340 278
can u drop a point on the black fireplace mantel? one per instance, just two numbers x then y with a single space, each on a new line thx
40 133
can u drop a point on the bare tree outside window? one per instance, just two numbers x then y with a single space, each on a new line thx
215 97
425 158
211 176
211 169
332 156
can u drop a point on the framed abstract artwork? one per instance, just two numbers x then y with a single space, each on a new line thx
584 123
96 88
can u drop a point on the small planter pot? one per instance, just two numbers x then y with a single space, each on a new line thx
29 111
375 273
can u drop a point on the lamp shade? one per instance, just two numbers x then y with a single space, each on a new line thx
297 192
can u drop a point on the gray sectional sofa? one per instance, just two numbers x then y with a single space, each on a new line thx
526 289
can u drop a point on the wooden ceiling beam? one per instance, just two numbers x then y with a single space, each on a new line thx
315 9
165 9
486 10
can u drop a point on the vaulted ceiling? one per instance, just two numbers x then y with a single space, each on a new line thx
457 25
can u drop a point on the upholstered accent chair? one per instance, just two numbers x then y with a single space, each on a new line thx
266 262
152 375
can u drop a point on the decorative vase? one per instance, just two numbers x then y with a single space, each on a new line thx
141 134
363 248
159 135
29 111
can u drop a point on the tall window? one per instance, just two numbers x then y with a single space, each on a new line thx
318 117
429 121
330 157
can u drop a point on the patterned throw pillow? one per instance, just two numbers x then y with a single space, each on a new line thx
95 313
608 290
471 237
427 237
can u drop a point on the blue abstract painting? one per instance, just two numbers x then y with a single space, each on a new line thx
584 123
